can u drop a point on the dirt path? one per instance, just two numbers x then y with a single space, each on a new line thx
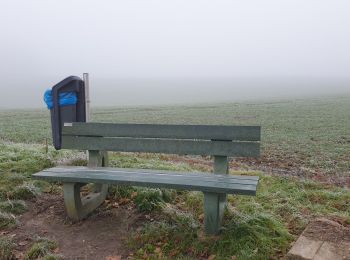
97 237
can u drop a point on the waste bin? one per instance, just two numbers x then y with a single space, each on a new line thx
66 101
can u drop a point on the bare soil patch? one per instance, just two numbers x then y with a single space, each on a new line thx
100 236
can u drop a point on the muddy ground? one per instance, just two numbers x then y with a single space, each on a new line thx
100 236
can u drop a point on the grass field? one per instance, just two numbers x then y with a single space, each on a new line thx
310 133
305 136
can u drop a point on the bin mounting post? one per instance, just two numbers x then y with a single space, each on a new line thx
87 102
87 95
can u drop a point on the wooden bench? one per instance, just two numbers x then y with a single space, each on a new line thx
219 141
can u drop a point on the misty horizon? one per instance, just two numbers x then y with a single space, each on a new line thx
160 52
134 92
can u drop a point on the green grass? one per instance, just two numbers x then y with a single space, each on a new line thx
151 199
13 207
311 134
308 136
6 248
177 235
42 248
254 227
7 220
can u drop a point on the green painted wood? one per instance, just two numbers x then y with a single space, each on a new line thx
72 200
223 148
207 132
145 171
151 179
195 176
211 211
78 207
215 203
140 173
221 165
99 159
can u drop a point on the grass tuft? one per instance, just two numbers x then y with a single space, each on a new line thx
148 200
25 191
13 206
7 220
6 248
118 192
13 179
41 248
173 234
252 237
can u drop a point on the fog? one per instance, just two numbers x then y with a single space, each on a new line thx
168 52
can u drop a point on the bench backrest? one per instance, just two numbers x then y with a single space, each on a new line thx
217 140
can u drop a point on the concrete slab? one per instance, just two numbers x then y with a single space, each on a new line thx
323 239
328 251
304 248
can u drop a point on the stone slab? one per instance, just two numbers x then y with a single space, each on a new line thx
304 248
323 239
328 251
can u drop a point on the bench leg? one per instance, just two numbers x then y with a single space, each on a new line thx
98 159
215 203
78 208
214 206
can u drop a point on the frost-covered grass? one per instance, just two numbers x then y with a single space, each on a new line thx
258 227
6 248
311 135
42 249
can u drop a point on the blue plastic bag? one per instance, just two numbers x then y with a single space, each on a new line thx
65 98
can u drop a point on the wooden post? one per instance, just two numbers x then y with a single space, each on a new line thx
46 146
215 203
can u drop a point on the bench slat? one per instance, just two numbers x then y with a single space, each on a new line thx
149 179
199 175
223 148
206 132
202 177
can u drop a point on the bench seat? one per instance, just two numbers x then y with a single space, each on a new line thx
206 182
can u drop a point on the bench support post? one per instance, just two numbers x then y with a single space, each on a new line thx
215 203
78 208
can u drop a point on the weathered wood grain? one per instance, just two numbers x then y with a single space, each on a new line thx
170 146
148 178
206 132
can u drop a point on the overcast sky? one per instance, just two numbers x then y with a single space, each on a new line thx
131 44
